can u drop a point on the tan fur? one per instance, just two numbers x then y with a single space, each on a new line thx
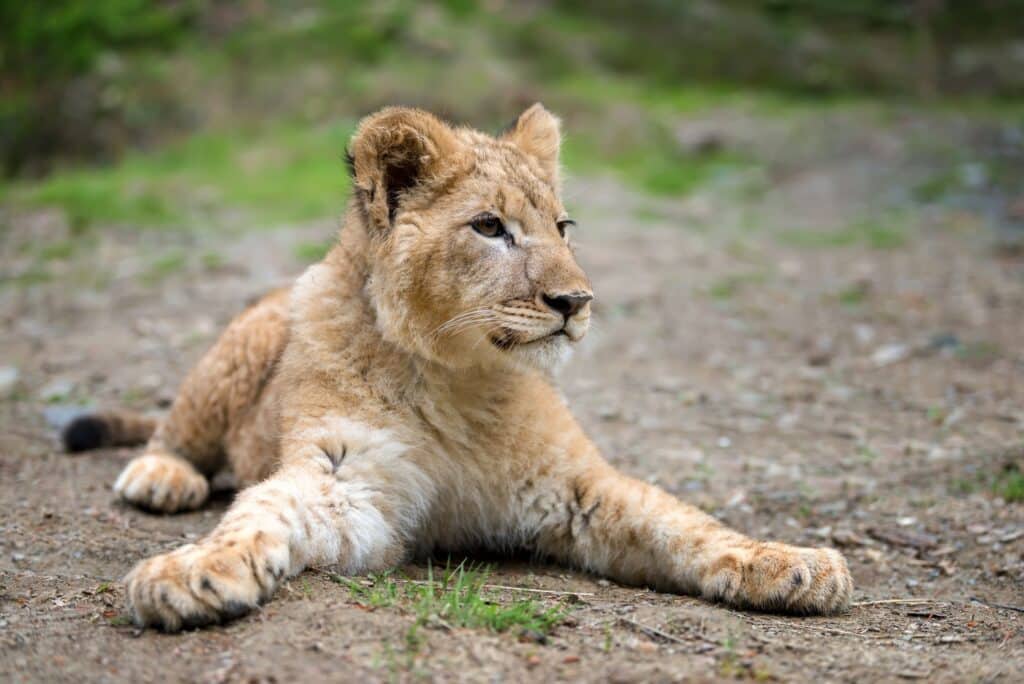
404 402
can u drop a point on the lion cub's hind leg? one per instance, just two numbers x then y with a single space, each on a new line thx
221 400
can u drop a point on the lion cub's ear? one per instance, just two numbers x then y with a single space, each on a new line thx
538 133
395 151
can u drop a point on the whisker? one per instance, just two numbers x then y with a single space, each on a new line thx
458 318
462 324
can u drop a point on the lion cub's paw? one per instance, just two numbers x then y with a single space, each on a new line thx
163 483
205 583
782 578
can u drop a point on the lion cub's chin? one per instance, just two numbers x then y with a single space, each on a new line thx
547 354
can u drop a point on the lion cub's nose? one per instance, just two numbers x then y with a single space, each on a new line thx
567 304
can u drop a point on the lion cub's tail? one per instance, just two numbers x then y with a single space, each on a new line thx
107 428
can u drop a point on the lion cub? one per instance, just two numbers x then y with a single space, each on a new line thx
399 398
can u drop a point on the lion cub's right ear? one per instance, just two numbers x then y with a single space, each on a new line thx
397 151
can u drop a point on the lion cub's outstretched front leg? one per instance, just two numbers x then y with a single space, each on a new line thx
638 534
342 498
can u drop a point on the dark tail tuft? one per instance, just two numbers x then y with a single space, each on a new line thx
85 433
106 429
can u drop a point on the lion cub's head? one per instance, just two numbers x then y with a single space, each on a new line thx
470 257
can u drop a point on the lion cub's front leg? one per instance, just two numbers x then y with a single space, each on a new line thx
638 534
312 513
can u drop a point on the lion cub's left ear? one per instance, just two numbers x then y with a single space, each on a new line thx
538 132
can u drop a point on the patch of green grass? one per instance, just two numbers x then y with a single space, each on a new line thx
660 168
282 173
456 597
57 251
981 352
854 295
936 187
165 266
609 639
967 485
936 414
867 454
33 276
595 88
1009 485
729 286
882 233
211 260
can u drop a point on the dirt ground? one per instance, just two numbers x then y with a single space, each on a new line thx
866 397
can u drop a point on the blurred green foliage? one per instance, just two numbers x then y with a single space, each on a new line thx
63 38
820 46
238 110
48 52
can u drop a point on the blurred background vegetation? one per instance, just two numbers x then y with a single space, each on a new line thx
149 112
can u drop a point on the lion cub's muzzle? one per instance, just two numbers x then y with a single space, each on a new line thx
546 317
574 309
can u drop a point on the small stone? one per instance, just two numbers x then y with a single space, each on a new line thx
791 269
823 349
736 499
843 537
533 636
873 555
973 174
1012 536
645 646
864 334
944 341
9 376
890 353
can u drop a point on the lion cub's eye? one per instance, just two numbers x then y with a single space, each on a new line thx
489 226
563 225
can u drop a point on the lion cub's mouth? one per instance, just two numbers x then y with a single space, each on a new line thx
506 340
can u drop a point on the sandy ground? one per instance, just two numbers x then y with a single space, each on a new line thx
841 395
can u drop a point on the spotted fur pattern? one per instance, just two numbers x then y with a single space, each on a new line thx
399 398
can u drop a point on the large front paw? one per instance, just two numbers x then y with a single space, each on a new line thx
162 483
206 583
781 578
